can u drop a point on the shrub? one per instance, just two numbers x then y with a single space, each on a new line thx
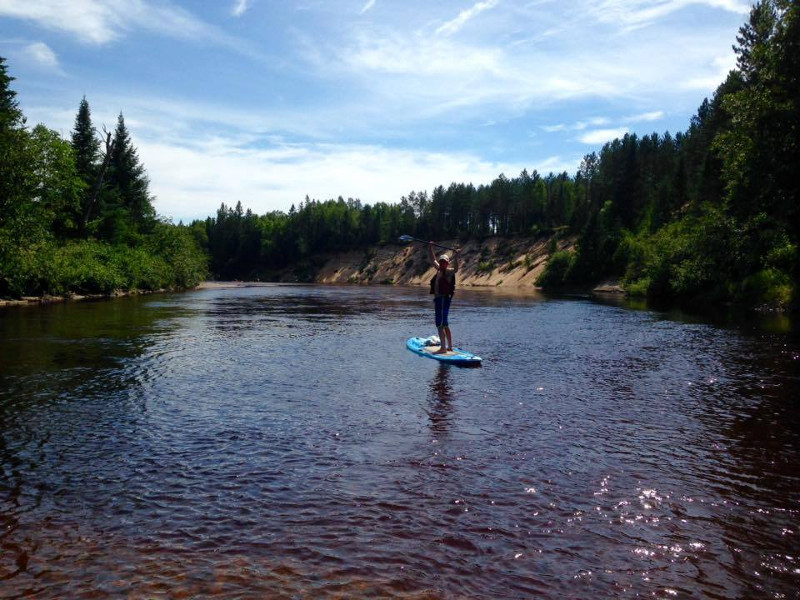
486 266
528 263
556 270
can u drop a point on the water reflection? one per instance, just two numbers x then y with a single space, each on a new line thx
440 399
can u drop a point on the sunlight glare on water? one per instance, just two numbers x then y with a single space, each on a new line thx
280 441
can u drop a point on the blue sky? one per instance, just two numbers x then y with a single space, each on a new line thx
269 101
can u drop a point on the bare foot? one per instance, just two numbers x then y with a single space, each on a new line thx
441 351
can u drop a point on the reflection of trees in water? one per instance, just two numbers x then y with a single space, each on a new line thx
241 312
440 400
75 349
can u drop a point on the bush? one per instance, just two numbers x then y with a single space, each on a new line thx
528 263
486 266
695 257
556 271
768 286
169 257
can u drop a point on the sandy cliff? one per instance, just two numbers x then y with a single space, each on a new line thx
493 262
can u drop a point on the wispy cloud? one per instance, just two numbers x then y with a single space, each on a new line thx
632 14
600 136
367 7
100 22
240 7
42 54
373 107
647 117
456 24
578 126
715 73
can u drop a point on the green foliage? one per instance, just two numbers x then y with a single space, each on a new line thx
486 266
771 287
10 114
556 271
43 184
128 182
85 145
711 213
528 263
694 258
178 248
57 184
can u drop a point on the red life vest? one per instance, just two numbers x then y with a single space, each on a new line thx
447 283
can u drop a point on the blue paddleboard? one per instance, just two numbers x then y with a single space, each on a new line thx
425 347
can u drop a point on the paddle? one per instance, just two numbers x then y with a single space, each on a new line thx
408 238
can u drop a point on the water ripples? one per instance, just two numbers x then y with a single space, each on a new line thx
280 442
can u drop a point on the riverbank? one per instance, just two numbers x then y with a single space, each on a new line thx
48 299
489 263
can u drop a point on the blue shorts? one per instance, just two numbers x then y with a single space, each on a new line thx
442 306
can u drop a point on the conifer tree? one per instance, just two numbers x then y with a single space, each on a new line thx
86 149
15 172
85 144
10 114
128 180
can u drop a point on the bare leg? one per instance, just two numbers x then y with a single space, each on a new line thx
449 336
442 341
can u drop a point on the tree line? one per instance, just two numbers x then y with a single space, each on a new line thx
76 215
710 213
244 245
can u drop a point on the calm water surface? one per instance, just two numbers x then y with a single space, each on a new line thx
281 442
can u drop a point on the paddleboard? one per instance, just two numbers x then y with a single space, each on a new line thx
425 347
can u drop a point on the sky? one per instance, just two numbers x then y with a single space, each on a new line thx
267 101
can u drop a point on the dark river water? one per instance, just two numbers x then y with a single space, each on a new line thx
281 442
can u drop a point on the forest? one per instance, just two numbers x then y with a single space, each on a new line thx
709 214
78 218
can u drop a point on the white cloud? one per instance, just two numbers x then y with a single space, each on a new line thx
655 115
192 180
601 136
240 7
100 22
389 81
578 126
557 164
713 75
367 7
42 54
456 24
409 71
89 20
632 14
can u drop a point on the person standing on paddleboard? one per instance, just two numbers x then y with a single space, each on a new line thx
443 286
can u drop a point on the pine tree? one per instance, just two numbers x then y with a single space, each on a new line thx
15 173
86 149
10 114
85 144
128 180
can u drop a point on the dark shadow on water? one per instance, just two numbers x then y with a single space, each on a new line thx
440 400
723 316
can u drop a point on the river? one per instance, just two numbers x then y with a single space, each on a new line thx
281 442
